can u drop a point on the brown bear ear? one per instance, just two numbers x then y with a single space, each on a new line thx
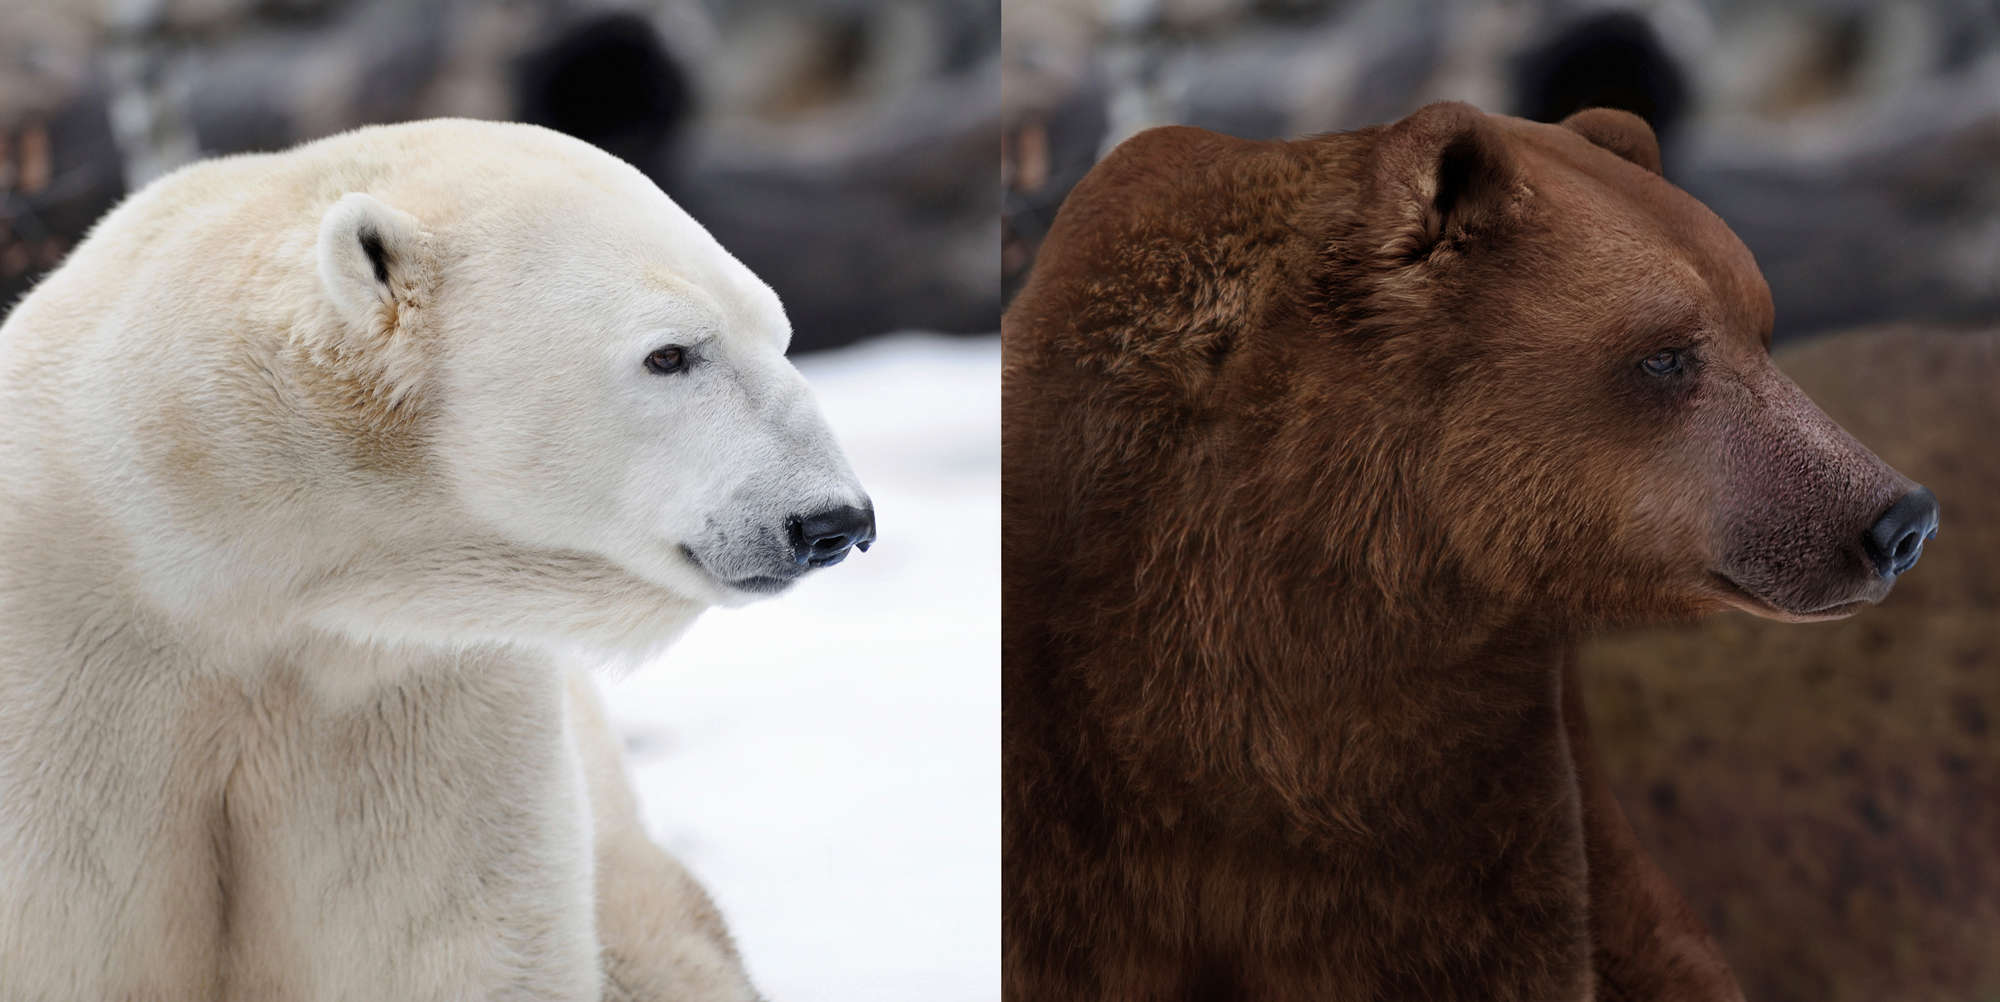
1621 132
1449 173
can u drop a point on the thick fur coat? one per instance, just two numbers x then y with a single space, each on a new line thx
317 471
1319 455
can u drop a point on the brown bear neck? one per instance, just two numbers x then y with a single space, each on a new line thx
1214 643
1279 691
1263 760
1220 656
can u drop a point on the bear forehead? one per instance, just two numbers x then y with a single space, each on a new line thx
632 244
1181 236
538 202
1622 222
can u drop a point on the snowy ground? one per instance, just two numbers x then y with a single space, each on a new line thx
828 763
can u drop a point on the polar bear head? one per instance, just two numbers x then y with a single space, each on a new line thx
604 383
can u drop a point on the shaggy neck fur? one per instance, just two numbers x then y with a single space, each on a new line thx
1279 626
1293 739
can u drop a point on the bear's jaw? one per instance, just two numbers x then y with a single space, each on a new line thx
494 592
750 587
1731 595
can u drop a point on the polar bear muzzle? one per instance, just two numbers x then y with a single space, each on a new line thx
754 563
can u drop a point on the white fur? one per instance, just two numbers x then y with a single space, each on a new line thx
289 557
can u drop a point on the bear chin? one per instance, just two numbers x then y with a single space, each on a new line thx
1734 596
738 591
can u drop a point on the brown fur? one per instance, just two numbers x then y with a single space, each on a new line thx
1829 797
1318 455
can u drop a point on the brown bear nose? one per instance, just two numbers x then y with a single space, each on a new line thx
1897 539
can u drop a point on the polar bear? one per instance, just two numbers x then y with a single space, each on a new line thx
320 472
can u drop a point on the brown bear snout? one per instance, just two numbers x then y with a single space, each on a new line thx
1815 525
1897 539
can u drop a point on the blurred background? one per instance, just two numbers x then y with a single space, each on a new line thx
1850 143
826 762
1827 796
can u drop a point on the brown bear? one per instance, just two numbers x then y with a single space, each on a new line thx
1828 797
1319 456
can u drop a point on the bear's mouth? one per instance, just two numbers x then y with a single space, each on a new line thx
754 584
1735 596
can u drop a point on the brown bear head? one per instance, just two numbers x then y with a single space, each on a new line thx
1497 366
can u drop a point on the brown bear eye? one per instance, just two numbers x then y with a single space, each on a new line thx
1664 362
668 360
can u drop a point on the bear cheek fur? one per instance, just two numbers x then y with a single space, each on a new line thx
1617 526
1499 393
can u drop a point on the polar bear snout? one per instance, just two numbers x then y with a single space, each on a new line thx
756 560
824 538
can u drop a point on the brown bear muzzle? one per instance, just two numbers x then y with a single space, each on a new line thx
1813 524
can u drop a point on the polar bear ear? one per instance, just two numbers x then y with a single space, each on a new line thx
1621 132
370 257
1447 175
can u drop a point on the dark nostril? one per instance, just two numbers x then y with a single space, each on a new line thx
1896 540
824 538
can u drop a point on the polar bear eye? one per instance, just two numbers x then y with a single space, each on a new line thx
1664 362
668 360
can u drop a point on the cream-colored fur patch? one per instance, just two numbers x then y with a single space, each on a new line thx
320 472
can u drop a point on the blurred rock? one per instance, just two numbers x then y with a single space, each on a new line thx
1828 796
782 60
608 78
857 176
1902 230
1606 59
896 227
59 167
1053 129
57 175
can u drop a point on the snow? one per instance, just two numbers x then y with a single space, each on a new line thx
828 762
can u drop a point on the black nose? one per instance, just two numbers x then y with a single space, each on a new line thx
1897 539
823 539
